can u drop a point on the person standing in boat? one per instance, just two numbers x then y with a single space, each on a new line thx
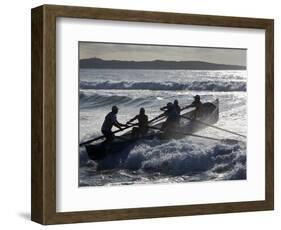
110 121
173 118
142 124
197 104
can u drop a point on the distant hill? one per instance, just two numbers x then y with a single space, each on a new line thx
96 63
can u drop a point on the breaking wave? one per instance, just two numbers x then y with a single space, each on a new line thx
92 100
218 86
96 100
199 160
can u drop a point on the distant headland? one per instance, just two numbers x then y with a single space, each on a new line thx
97 63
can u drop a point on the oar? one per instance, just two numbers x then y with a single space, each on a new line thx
188 134
215 127
101 137
162 116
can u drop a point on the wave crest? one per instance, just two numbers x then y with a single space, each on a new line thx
99 100
217 86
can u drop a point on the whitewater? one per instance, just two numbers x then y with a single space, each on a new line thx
157 161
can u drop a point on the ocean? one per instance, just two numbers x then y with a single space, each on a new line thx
158 161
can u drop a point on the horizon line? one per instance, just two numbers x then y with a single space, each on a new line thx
163 60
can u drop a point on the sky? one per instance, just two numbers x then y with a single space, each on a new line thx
134 52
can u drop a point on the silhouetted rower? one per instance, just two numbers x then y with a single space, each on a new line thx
197 104
142 124
110 121
177 107
173 118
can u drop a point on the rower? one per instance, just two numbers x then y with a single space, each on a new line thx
142 124
173 118
197 104
110 121
177 107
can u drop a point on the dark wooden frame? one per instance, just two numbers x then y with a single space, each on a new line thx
43 205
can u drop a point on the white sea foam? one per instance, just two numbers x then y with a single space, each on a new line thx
187 158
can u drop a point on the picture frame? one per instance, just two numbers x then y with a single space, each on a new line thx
44 92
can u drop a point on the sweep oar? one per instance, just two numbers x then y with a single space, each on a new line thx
188 134
215 127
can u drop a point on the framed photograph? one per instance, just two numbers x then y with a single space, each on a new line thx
141 114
